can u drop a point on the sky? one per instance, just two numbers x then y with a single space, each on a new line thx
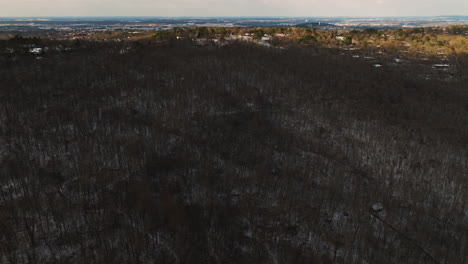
40 8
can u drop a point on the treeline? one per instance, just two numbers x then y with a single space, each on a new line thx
177 153
450 40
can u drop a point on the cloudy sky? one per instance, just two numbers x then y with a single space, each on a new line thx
232 7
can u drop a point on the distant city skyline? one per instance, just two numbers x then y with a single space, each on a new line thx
207 8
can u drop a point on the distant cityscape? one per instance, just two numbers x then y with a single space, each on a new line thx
99 24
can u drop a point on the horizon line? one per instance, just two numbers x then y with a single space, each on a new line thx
237 16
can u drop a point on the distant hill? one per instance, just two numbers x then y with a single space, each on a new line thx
314 24
320 26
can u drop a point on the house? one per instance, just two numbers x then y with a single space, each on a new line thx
247 38
385 36
36 51
405 44
79 34
441 66
266 37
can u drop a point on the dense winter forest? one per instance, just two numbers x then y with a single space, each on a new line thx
172 152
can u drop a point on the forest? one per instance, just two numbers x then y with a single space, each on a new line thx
161 150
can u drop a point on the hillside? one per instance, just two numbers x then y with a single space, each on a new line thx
144 152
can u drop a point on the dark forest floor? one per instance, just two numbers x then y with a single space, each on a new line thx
235 154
